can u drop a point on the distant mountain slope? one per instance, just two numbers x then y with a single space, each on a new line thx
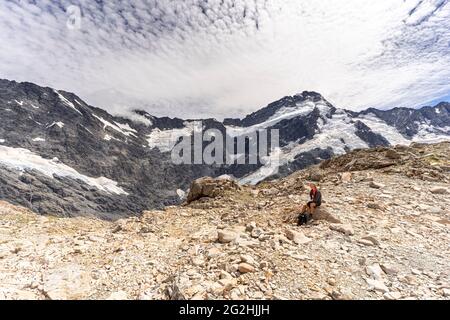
59 155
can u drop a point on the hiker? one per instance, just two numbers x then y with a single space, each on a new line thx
309 208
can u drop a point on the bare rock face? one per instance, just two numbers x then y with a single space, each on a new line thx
210 188
324 215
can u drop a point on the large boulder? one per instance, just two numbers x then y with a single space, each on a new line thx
324 215
210 188
315 176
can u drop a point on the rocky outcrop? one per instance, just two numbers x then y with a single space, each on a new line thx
211 188
419 160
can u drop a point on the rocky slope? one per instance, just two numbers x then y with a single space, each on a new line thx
382 233
60 156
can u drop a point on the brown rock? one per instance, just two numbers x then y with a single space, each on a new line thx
315 176
346 177
371 239
324 215
393 155
346 229
210 188
246 268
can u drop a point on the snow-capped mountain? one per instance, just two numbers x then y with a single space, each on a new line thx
59 155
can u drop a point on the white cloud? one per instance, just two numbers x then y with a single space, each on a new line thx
221 58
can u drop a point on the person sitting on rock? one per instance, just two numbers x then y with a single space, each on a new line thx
309 208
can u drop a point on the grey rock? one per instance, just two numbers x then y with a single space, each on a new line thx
346 229
226 236
439 190
389 269
376 185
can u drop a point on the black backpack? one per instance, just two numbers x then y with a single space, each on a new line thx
304 218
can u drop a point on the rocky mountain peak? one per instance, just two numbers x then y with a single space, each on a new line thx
312 95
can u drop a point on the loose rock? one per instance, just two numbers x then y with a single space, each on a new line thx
346 229
246 268
226 236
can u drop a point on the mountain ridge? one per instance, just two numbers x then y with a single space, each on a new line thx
82 153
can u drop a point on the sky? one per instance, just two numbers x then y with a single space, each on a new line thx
227 58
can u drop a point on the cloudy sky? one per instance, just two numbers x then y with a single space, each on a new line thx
221 58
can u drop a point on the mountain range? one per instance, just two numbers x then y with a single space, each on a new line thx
61 156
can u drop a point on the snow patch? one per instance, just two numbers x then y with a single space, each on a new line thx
124 129
67 102
422 11
338 133
382 128
2 141
38 139
59 124
181 194
430 134
20 103
33 106
165 140
269 169
285 113
87 129
23 159
426 132
109 138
